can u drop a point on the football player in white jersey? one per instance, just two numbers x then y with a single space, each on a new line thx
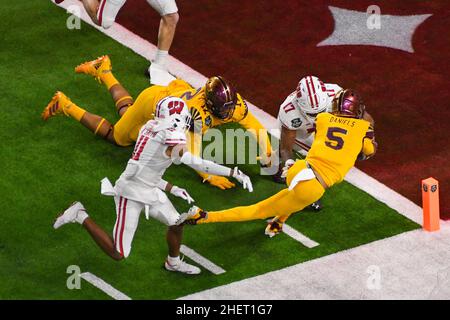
141 187
297 116
104 12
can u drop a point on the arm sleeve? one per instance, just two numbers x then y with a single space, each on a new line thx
194 146
206 166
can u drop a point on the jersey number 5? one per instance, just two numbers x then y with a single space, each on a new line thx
335 141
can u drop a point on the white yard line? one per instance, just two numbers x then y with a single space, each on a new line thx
205 263
300 237
105 287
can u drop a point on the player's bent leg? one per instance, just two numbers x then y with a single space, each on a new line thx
166 34
91 7
103 239
168 11
305 193
122 99
272 206
127 128
101 69
173 261
128 212
76 213
108 11
99 126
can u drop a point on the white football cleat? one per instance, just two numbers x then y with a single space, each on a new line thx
159 75
182 267
75 213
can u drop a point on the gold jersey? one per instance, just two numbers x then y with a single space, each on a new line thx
338 142
195 99
204 120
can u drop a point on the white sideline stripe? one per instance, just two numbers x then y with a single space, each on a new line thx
205 263
105 287
300 237
356 177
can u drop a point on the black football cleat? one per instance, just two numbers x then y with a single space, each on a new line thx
316 206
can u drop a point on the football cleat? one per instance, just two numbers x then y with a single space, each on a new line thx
70 215
182 267
95 67
159 75
273 228
58 105
193 216
316 206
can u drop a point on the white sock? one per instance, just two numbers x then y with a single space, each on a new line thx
173 260
81 216
161 57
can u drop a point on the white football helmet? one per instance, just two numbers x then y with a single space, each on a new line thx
312 97
173 112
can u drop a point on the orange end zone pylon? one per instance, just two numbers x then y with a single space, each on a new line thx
430 204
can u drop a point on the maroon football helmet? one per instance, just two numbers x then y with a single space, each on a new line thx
348 103
221 97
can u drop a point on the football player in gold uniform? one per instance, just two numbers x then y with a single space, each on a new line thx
342 137
214 104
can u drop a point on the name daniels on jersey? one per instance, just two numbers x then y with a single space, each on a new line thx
348 122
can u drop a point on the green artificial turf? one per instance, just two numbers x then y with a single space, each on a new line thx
46 166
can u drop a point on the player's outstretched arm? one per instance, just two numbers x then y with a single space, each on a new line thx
209 167
194 146
259 132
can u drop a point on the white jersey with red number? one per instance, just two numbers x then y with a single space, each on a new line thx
148 163
292 117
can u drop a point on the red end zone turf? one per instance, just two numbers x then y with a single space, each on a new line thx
265 47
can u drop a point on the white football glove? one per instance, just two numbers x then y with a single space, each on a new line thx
242 179
181 193
287 165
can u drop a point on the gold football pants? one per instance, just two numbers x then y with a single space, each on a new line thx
282 204
127 128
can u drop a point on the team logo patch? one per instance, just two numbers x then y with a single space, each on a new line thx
208 121
296 123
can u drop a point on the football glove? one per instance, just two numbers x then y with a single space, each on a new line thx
287 165
218 181
243 179
181 193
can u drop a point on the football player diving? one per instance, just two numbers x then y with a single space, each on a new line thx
297 116
341 137
214 104
141 187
